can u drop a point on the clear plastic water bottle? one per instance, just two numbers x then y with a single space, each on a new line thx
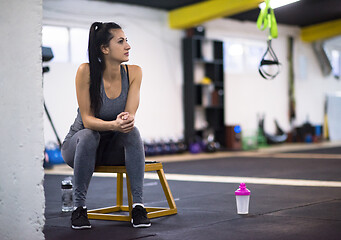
67 199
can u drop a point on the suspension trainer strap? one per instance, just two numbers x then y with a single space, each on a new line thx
266 62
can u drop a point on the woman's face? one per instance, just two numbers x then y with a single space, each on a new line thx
118 49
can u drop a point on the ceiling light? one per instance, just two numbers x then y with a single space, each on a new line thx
277 3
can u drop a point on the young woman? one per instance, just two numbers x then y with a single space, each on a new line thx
103 132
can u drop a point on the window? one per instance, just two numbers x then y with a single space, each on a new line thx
79 45
57 38
243 55
67 44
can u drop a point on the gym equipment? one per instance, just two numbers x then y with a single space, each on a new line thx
233 137
272 61
211 147
154 148
267 19
165 147
322 57
280 136
153 212
195 148
306 132
173 147
147 149
54 154
292 101
242 199
157 148
182 147
47 55
47 164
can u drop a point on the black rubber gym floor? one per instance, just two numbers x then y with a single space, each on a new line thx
208 210
329 150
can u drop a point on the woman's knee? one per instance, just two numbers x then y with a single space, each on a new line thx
88 137
135 132
133 135
84 140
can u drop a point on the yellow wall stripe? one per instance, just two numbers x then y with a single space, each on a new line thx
321 31
198 13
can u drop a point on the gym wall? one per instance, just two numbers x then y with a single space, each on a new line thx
22 200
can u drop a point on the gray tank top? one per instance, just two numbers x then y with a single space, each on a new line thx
110 107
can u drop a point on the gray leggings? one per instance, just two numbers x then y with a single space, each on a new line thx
80 153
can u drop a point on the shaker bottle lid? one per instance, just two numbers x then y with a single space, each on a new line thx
67 186
242 190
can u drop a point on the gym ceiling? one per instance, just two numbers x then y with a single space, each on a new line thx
318 19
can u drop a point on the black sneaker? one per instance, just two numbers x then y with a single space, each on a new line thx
139 217
79 219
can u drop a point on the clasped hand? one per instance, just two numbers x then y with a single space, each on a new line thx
125 122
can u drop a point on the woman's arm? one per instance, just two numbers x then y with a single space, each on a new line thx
133 100
88 117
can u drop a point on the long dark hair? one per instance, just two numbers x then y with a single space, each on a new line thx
99 36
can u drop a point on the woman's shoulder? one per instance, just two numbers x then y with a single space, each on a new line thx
83 74
84 68
134 68
135 73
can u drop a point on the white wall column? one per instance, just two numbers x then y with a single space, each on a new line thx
22 199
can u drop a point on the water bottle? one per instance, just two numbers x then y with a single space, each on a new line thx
67 199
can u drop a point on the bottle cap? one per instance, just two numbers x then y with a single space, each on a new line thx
66 186
67 183
242 190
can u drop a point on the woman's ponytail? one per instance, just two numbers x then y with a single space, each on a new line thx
99 35
95 68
